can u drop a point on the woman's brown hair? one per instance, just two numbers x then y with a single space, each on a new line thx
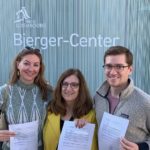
39 80
83 103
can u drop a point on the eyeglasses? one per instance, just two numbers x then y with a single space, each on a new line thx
118 67
73 85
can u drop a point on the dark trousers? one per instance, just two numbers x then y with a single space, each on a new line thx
1 145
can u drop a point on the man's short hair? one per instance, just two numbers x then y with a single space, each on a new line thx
118 50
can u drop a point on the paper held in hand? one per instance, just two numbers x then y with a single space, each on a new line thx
112 128
26 137
73 138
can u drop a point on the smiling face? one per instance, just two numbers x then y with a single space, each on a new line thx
70 89
114 77
29 68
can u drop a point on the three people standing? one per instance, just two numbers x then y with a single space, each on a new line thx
28 95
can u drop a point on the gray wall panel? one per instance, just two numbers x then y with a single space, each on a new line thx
129 20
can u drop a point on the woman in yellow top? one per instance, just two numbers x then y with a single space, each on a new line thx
71 101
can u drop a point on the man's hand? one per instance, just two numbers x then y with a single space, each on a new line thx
127 145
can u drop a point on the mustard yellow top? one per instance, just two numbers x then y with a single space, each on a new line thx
51 131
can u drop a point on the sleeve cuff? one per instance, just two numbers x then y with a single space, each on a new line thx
143 146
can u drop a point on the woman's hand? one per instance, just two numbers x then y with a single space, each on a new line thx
80 122
5 135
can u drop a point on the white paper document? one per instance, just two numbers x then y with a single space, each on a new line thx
112 128
26 137
73 138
